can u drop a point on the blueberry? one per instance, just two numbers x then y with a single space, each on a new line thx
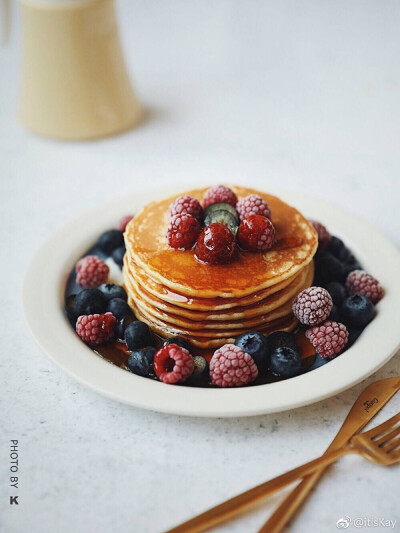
138 335
70 308
221 206
109 240
111 290
256 345
349 267
200 368
223 217
345 256
118 255
354 333
330 269
337 291
319 361
357 310
119 308
335 315
140 362
280 339
335 246
179 341
122 325
284 362
90 302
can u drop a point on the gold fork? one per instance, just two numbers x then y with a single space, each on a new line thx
380 445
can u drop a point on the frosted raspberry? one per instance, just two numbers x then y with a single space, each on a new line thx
216 245
124 221
188 205
96 329
312 306
219 194
173 364
256 233
328 339
359 282
91 271
253 205
323 234
230 366
182 231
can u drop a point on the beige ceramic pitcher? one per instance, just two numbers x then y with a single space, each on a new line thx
74 82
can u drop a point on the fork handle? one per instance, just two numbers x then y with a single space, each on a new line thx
281 516
239 503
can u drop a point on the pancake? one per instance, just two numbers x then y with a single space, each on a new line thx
250 272
212 304
260 311
200 339
193 302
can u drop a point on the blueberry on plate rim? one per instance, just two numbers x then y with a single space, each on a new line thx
138 335
90 302
111 290
140 361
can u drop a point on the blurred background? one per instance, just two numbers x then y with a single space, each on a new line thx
301 95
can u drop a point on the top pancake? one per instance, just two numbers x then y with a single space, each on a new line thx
296 243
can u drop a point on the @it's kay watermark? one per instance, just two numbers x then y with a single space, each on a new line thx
360 522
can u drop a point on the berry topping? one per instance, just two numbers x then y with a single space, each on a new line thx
182 231
252 205
200 367
119 308
312 306
91 271
111 290
335 315
186 205
70 308
140 362
256 233
219 194
279 339
221 206
180 341
337 291
173 364
222 217
359 282
109 240
329 268
118 255
216 245
138 335
328 339
357 310
90 302
96 329
256 345
230 366
123 222
335 246
323 234
284 362
123 324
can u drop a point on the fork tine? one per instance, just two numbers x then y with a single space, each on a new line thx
384 441
393 444
380 430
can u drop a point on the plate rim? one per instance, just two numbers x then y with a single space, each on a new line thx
44 285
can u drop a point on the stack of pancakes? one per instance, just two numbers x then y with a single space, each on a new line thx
212 304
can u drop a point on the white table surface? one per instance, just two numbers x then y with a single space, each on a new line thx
297 95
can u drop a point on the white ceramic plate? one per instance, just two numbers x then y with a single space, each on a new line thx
43 295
